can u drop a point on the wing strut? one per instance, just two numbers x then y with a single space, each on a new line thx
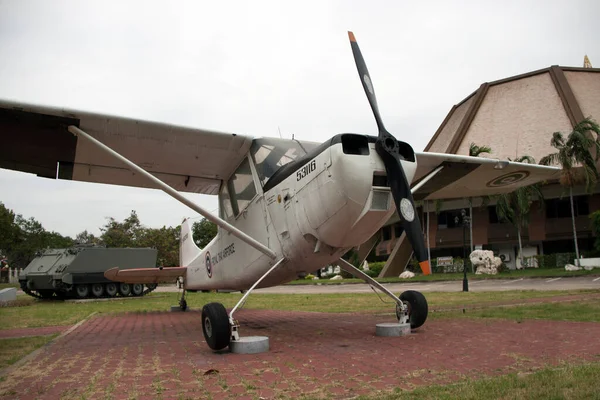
426 179
174 193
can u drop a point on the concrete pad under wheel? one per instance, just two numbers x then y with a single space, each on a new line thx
392 329
250 345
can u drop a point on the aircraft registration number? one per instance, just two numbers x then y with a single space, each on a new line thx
307 169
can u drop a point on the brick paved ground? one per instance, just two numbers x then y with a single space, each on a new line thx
162 355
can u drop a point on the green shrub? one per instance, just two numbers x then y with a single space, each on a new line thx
309 277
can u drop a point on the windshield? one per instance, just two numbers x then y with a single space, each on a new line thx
270 154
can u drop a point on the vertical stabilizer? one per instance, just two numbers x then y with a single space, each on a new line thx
188 251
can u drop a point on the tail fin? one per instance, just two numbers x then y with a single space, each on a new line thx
188 251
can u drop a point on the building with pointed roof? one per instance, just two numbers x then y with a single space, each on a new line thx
515 116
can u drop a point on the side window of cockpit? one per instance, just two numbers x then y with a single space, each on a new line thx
241 187
225 206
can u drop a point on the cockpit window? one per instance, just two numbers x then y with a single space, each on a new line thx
241 187
270 154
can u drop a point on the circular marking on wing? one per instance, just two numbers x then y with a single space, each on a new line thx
407 210
208 265
368 83
508 179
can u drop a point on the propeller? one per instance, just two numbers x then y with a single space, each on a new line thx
388 148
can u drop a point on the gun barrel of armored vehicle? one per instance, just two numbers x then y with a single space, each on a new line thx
79 272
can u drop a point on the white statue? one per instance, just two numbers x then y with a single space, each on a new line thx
485 262
407 275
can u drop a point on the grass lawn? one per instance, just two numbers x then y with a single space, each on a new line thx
565 382
12 350
33 313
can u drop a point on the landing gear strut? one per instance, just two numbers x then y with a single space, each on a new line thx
411 307
221 330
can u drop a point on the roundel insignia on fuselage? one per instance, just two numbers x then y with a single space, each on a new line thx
208 265
508 179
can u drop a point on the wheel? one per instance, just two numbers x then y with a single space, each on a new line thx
183 305
137 289
97 289
111 289
215 326
82 291
124 289
151 286
417 307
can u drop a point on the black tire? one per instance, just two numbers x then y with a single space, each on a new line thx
124 289
417 307
151 286
183 305
137 289
111 289
82 291
215 326
98 290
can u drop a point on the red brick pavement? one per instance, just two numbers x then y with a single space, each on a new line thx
163 355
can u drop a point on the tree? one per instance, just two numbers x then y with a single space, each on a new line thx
86 238
203 231
165 240
515 207
122 234
21 238
577 156
475 151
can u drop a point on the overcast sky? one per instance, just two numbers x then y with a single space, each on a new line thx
252 67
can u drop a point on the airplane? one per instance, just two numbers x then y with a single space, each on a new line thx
286 207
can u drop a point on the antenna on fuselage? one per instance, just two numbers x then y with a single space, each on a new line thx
279 130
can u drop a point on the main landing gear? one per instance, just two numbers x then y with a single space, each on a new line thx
222 330
411 307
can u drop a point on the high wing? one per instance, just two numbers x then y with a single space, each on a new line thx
35 140
465 176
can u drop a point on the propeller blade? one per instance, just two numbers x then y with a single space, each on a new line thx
388 149
365 79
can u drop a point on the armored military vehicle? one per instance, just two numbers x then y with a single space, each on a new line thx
78 272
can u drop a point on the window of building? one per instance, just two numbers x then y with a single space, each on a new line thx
561 208
241 187
450 219
386 232
493 215
397 230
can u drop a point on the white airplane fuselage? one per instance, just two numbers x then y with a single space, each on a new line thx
311 217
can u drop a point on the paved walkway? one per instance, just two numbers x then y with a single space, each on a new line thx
163 355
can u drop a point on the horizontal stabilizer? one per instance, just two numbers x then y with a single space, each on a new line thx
145 275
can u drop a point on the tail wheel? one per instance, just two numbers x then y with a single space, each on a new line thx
98 290
215 326
111 289
417 307
137 289
124 289
82 291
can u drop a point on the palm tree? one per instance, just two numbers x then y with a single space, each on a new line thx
475 151
515 207
577 156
